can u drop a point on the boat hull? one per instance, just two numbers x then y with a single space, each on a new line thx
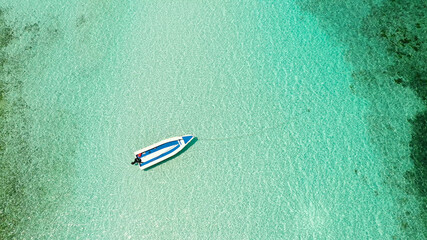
161 151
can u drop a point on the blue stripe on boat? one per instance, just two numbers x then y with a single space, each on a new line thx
153 150
162 155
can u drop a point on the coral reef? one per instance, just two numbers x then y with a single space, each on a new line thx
386 45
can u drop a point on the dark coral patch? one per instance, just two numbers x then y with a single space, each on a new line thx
419 152
398 80
6 36
6 33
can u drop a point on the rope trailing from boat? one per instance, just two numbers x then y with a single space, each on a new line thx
259 131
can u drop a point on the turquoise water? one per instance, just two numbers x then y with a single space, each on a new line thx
299 136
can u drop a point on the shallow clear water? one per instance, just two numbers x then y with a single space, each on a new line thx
285 145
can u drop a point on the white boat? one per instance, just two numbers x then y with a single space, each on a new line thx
161 151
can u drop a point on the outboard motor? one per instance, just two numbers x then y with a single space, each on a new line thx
137 160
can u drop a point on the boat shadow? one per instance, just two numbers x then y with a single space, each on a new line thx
195 139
